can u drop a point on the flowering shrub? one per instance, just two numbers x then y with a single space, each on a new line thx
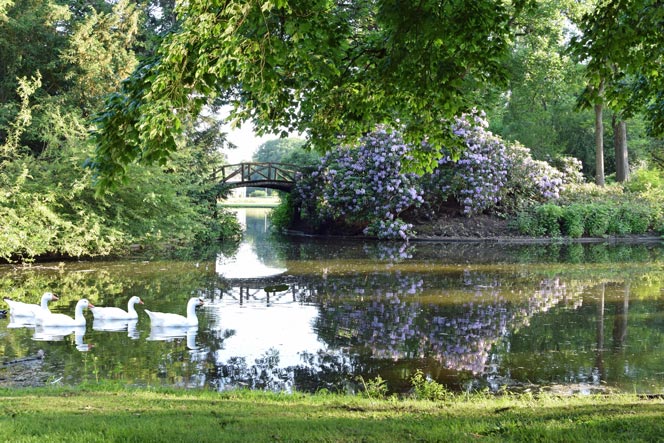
477 177
530 180
491 174
363 185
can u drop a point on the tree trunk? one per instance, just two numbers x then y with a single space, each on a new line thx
620 146
620 320
599 136
599 145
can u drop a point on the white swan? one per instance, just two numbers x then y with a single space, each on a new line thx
174 320
62 320
20 309
113 313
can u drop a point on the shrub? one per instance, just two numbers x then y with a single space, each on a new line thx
427 389
572 221
375 388
363 186
258 193
549 218
638 217
477 177
529 181
283 215
617 222
645 179
491 175
526 224
596 221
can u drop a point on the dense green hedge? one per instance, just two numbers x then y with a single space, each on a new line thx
594 219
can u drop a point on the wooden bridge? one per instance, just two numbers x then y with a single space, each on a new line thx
279 176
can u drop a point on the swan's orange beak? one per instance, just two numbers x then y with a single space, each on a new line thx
90 305
54 297
140 302
200 302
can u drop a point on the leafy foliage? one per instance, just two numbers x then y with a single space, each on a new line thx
277 150
597 219
48 206
620 41
427 389
330 69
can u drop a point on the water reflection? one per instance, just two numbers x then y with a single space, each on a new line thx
469 316
116 325
170 333
58 333
19 321
245 264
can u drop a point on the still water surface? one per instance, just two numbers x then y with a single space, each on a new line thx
471 316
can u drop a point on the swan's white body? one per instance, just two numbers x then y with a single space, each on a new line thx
166 319
113 313
62 320
20 309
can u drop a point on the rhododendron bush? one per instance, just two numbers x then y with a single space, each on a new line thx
366 186
493 176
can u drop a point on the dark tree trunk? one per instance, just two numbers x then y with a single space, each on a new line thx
599 135
620 147
599 145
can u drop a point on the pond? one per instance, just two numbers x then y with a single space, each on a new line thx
284 313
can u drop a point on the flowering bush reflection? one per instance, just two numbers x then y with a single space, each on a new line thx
395 324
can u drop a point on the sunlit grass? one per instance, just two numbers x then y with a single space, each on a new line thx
108 414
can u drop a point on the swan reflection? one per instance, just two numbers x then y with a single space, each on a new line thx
58 333
169 333
20 321
117 326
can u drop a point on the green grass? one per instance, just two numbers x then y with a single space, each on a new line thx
143 415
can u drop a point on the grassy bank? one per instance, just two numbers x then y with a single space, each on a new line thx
142 415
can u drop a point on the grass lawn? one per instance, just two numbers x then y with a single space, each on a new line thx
117 414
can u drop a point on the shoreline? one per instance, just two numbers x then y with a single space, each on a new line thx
640 239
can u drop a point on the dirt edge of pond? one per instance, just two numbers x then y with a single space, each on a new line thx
457 228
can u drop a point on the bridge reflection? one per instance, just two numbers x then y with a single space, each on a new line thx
248 292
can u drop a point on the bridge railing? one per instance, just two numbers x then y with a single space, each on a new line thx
279 175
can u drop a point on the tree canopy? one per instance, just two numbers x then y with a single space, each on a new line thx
621 43
327 68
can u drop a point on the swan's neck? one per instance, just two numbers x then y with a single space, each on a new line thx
131 309
191 310
78 315
44 302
